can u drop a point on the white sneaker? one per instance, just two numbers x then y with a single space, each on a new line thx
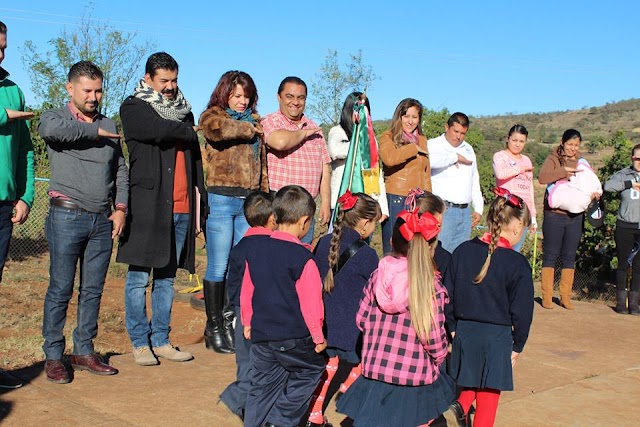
169 352
144 356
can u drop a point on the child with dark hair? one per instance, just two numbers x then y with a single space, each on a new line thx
282 314
258 211
491 309
345 262
404 339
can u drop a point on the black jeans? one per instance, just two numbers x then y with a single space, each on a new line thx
625 238
561 235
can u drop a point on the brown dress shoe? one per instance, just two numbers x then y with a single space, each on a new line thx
56 372
92 363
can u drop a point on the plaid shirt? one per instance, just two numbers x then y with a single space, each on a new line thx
391 351
301 165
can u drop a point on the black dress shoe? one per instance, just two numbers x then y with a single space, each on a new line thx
8 381
56 372
461 418
325 423
92 363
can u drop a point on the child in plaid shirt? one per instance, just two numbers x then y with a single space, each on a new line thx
404 339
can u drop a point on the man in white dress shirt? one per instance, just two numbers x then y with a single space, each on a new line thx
455 179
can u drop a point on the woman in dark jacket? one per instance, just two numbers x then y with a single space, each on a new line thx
235 164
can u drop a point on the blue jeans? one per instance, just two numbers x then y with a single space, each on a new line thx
226 225
308 238
456 227
75 234
135 289
6 227
396 205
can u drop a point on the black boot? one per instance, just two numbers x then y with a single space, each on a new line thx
213 332
621 305
634 297
228 315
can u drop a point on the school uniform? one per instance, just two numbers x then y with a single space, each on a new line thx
341 304
491 319
281 299
402 382
235 395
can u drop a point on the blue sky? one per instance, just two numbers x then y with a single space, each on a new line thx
482 58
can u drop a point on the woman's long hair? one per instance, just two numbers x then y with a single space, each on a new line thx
396 120
227 84
346 117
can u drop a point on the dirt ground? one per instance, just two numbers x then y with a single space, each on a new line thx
22 295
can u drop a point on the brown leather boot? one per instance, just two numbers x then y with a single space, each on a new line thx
547 287
566 285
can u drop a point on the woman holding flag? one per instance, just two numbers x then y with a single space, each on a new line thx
353 149
403 151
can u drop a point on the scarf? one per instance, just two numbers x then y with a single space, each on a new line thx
246 117
411 138
169 109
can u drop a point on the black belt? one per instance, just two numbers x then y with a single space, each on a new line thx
62 203
456 205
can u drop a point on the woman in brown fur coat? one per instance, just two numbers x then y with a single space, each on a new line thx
235 163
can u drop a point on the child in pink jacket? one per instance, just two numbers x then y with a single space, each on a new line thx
404 339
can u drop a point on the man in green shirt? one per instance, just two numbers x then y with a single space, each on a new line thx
16 168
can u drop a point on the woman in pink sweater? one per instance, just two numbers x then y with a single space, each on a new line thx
514 171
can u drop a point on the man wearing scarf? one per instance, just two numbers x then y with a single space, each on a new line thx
165 204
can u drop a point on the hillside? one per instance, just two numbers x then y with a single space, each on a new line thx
592 122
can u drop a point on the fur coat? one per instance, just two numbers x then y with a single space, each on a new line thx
230 163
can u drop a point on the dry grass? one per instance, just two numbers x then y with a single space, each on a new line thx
22 295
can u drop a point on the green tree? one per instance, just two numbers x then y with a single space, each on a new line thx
334 81
433 122
115 52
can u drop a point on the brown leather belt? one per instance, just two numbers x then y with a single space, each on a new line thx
62 203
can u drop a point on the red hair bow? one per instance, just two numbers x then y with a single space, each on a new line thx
511 199
426 224
347 201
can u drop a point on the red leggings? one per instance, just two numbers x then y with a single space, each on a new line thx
486 404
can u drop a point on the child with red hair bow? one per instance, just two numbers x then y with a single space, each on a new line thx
491 309
404 339
345 262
